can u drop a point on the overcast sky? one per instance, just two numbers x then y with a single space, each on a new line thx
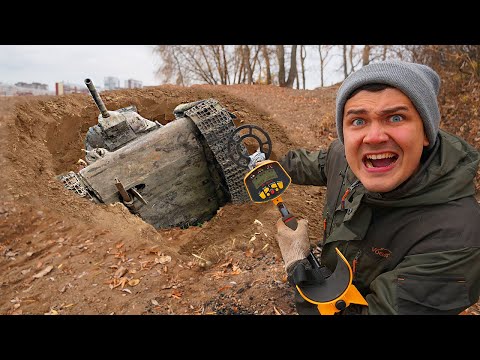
48 64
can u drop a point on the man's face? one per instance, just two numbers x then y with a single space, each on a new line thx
384 138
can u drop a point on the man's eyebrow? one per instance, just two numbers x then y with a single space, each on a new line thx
356 111
394 109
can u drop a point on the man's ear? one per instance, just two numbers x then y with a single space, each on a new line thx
425 140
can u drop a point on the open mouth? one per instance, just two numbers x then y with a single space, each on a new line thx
382 160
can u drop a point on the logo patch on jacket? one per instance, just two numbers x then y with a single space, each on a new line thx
381 252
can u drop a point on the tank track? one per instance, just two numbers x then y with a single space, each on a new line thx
216 125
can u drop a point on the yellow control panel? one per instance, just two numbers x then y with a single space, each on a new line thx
271 189
267 181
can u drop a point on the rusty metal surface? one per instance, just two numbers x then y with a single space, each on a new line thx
168 168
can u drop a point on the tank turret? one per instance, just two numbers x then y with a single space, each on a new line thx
115 128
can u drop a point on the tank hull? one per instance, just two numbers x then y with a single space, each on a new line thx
168 168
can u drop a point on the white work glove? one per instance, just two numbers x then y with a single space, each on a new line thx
294 244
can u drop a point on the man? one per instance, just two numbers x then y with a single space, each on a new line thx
400 200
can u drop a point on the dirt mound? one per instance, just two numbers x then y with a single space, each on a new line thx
61 254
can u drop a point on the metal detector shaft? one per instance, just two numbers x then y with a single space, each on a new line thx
291 221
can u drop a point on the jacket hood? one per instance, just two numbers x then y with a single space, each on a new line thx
446 174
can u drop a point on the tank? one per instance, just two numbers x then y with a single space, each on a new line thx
173 175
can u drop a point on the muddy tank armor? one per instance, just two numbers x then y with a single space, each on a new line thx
178 174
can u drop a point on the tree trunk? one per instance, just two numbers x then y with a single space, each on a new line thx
303 55
248 65
255 61
345 64
237 65
180 78
225 66
281 65
216 50
209 71
366 55
322 64
352 65
267 64
293 67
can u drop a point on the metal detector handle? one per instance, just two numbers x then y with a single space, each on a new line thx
291 221
287 217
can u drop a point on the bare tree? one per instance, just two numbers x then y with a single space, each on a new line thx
454 58
211 64
351 59
238 64
225 65
231 64
303 55
395 52
382 52
199 65
208 66
323 51
172 67
266 58
255 60
246 63
345 64
187 63
297 81
220 60
281 65
355 57
293 67
366 55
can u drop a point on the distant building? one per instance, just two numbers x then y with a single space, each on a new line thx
8 90
62 88
22 89
111 83
132 84
34 85
59 88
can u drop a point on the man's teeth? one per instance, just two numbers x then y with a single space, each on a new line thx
372 157
380 156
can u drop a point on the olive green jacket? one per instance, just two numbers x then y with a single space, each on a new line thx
413 250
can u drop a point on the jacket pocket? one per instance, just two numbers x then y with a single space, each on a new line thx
429 295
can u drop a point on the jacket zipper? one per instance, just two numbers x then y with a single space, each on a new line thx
355 262
348 191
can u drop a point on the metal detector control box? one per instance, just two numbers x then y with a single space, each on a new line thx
267 181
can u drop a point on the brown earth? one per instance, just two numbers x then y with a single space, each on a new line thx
62 254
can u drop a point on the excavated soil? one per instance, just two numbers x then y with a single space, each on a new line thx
62 254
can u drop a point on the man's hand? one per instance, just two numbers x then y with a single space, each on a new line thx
259 163
294 244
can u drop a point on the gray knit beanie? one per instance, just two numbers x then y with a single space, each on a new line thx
419 82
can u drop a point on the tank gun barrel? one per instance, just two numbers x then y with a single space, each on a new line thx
97 98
